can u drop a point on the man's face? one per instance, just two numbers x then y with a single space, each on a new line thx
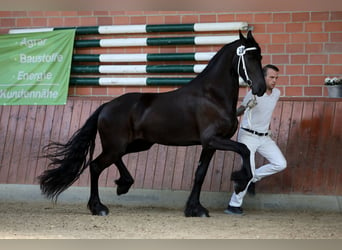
271 78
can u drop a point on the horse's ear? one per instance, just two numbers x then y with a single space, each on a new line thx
242 38
250 36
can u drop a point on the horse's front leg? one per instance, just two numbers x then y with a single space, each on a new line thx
243 176
193 206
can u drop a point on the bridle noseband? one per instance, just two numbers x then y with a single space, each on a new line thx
240 52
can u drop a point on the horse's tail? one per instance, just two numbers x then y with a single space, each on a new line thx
69 159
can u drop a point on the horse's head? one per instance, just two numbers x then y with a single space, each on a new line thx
249 64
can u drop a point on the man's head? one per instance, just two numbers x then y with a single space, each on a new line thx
271 76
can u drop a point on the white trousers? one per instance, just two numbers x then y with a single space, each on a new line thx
265 146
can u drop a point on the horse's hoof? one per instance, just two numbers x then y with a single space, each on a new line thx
204 215
123 187
98 209
237 188
102 213
196 212
122 190
200 215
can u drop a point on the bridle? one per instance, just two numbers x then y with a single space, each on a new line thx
240 52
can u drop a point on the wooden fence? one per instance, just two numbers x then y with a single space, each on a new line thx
308 132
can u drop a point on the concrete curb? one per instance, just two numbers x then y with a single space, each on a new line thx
175 199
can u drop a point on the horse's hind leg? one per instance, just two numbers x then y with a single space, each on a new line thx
125 181
193 206
96 167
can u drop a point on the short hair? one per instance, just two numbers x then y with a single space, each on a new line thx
269 66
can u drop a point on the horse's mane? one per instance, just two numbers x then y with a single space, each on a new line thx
213 61
226 47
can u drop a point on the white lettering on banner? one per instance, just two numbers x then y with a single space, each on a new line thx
30 43
40 76
45 58
36 67
43 94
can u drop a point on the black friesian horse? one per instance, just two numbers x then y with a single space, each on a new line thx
201 113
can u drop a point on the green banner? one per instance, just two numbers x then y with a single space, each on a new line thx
35 67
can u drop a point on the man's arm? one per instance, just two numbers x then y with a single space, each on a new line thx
240 110
250 104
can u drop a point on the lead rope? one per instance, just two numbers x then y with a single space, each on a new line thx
249 113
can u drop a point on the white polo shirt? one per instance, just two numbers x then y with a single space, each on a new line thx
259 117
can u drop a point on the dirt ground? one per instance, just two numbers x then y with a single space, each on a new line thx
73 221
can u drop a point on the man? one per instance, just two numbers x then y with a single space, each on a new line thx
254 133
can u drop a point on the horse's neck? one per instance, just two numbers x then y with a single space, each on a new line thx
221 79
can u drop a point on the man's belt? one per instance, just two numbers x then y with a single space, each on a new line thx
255 132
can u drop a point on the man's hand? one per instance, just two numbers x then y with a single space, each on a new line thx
252 103
240 110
